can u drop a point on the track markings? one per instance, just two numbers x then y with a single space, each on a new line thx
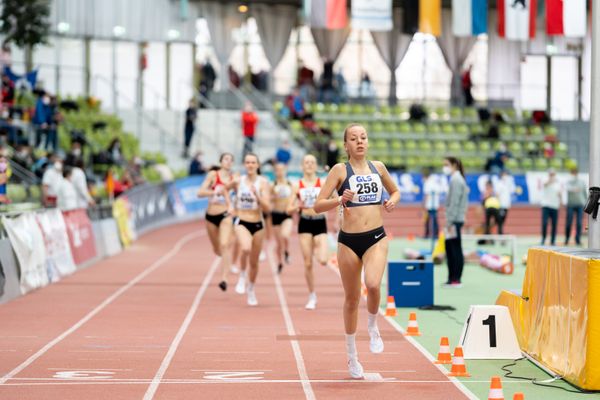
306 386
182 330
236 376
155 265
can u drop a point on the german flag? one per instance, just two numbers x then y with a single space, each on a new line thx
423 16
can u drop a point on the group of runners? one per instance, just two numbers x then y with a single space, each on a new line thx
240 206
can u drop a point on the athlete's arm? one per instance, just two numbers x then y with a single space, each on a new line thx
389 185
292 205
204 190
264 197
324 201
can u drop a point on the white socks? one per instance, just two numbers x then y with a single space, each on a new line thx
372 324
351 346
250 286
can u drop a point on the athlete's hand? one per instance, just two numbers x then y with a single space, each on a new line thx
347 196
389 205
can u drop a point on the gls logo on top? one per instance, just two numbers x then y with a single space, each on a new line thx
367 198
364 179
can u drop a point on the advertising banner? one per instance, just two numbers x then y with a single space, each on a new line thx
122 214
81 235
149 205
184 196
56 240
28 243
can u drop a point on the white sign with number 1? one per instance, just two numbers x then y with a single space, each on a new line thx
488 334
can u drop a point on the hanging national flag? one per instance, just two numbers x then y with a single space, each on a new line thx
373 15
566 18
469 17
516 19
329 14
423 16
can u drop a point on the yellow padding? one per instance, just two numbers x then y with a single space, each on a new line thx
557 319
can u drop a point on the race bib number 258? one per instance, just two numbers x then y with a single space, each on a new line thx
367 188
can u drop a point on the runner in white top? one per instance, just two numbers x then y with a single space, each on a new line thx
312 227
253 196
219 220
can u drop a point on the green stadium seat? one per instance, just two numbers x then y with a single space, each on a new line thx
511 114
404 127
477 129
295 126
425 145
551 130
277 106
447 128
456 113
390 127
526 114
380 144
370 109
434 128
520 130
536 130
419 127
561 149
511 164
469 147
541 164
358 109
345 108
485 147
377 127
319 108
385 109
337 126
470 114
411 163
506 132
462 129
396 144
570 164
526 164
516 148
331 108
556 163
410 145
309 107
454 146
439 146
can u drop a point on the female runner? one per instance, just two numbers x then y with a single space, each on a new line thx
361 240
282 221
219 212
252 198
312 227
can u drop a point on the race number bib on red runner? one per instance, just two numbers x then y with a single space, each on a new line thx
367 188
309 196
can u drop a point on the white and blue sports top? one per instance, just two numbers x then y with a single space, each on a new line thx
245 199
368 189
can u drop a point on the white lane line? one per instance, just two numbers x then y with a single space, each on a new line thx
229 370
156 264
59 382
306 386
459 385
182 329
236 353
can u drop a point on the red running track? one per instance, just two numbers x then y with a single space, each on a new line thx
151 323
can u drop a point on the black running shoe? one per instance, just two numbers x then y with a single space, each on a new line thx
279 268
223 285
287 257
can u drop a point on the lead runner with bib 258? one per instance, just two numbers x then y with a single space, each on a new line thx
362 240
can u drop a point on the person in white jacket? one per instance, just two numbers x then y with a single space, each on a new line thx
79 180
66 196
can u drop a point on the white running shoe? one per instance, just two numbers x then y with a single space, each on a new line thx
252 298
240 288
263 256
312 302
234 269
375 343
355 369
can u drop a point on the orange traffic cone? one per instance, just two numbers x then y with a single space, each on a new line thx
410 237
519 396
496 389
390 311
444 356
458 364
413 326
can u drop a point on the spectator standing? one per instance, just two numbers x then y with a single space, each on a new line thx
66 195
505 187
115 153
576 199
75 153
551 199
249 121
3 180
431 202
41 117
306 82
8 91
366 88
333 153
190 126
467 85
51 180
79 181
207 80
457 202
